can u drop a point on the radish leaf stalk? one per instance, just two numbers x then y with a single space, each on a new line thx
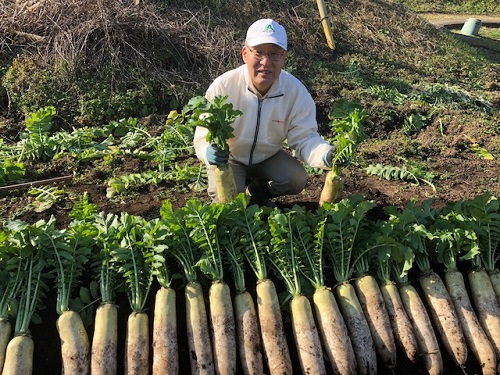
343 222
253 233
181 247
289 232
455 240
23 242
203 221
133 259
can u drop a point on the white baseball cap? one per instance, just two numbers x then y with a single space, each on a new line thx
266 31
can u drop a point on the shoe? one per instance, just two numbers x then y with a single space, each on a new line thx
263 202
258 198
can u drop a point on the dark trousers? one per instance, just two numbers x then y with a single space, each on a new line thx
281 174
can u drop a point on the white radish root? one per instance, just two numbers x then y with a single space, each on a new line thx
334 333
165 348
424 332
75 344
19 356
5 332
103 359
306 336
247 328
401 324
137 344
474 334
272 331
359 331
373 305
200 347
444 316
223 328
486 306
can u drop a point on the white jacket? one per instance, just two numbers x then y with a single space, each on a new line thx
286 112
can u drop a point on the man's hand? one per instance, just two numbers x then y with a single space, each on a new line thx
216 156
328 159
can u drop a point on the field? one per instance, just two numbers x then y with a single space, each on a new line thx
431 95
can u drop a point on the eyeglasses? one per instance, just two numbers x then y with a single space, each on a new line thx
273 56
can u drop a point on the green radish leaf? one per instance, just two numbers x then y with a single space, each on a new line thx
207 268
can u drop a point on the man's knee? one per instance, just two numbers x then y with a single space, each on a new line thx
293 184
298 182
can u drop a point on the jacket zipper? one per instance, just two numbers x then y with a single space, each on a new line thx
257 126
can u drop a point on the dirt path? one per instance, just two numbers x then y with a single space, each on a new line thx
457 20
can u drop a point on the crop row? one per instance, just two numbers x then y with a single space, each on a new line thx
345 269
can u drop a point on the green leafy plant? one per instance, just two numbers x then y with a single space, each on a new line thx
193 177
217 116
11 171
440 95
22 248
414 123
386 94
415 173
36 143
46 197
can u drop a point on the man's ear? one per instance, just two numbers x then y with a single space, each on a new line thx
244 53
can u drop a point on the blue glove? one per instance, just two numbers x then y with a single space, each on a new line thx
216 156
328 159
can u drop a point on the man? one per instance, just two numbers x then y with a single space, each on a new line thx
276 107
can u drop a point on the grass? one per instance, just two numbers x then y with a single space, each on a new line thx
453 6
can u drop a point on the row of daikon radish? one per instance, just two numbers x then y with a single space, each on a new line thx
347 278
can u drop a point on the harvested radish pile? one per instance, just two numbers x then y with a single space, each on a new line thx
361 293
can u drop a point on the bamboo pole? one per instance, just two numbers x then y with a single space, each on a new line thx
325 21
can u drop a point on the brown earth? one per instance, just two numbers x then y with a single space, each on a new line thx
460 173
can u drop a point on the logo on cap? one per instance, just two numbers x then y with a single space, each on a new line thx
268 28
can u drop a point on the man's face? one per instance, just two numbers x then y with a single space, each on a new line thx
264 63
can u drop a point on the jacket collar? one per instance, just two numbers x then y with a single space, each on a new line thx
276 88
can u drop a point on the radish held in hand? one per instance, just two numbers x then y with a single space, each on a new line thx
347 122
217 117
